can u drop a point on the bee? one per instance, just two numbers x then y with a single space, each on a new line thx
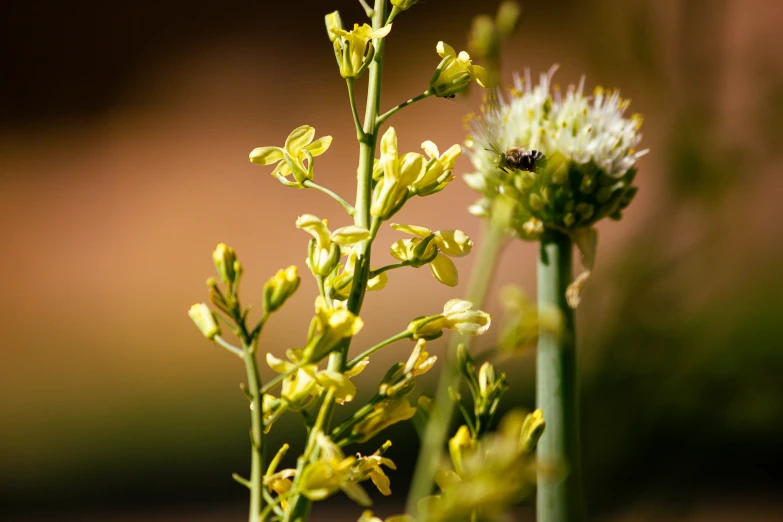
518 158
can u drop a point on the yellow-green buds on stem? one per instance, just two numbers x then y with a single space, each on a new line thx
458 314
205 320
280 287
327 329
399 173
353 49
455 72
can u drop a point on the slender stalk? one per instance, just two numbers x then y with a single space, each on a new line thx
399 337
256 431
379 271
347 206
556 389
437 429
230 347
352 99
300 505
385 116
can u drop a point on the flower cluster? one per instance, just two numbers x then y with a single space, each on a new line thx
589 148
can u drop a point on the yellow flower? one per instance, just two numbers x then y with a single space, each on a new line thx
384 414
280 287
325 254
420 361
327 329
280 483
332 471
437 173
450 243
353 49
345 390
455 72
299 387
299 146
402 5
370 466
399 173
458 314
205 320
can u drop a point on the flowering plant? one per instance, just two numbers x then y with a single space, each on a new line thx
316 377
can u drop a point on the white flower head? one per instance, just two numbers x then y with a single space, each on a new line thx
589 149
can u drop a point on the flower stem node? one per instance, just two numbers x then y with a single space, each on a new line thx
280 287
354 49
205 320
455 72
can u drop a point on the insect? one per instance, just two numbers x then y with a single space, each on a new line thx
518 158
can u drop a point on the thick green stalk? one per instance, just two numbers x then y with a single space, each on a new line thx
300 505
559 500
256 432
435 435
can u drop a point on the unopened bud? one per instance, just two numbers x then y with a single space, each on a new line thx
333 21
225 262
205 320
280 287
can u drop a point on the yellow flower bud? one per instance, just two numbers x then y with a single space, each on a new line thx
402 5
399 173
532 429
298 387
280 287
507 18
457 445
420 361
328 328
437 172
455 72
224 258
290 159
205 320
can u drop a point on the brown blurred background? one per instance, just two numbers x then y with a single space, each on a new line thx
124 134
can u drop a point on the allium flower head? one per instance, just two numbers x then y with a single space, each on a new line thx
589 146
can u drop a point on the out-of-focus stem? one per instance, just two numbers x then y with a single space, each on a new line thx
559 500
435 435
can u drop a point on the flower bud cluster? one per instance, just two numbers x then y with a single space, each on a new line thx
588 161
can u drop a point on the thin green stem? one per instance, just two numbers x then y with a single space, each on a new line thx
347 206
385 116
256 431
556 388
399 337
379 271
352 98
300 506
230 347
435 435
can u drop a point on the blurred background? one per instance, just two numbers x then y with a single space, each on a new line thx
124 134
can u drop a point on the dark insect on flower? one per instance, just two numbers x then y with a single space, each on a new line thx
450 96
518 158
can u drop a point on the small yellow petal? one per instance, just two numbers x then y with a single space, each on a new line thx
444 270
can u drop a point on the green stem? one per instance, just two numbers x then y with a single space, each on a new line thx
379 271
385 116
354 112
556 388
256 431
399 337
230 347
300 505
437 429
347 206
